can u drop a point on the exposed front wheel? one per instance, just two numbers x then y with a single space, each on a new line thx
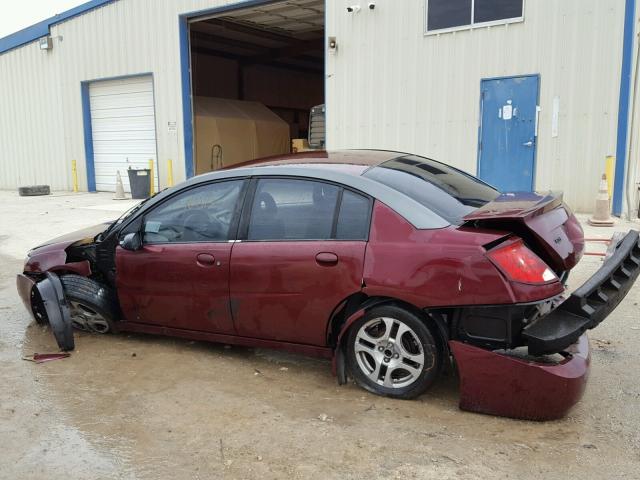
392 352
92 306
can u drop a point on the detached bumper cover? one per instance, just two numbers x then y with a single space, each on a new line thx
498 384
590 304
25 290
46 303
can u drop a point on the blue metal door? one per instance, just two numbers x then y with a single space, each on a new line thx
507 143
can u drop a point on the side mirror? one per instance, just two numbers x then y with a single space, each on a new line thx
131 241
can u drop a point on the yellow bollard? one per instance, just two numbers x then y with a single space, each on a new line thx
74 175
152 188
169 173
608 170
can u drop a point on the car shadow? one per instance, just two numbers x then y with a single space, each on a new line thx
162 354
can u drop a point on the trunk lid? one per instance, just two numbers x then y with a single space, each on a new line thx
543 221
517 205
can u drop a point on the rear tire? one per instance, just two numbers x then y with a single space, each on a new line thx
393 353
93 306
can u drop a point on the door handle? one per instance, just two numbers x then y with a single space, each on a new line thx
528 144
327 258
205 259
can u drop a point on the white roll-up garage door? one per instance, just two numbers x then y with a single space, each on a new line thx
123 127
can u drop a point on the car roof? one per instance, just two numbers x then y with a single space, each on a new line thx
342 167
351 161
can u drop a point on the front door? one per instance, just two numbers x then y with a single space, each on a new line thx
180 277
508 132
295 264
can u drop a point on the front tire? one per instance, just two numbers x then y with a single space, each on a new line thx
92 306
392 352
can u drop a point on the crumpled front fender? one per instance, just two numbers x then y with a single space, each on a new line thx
56 260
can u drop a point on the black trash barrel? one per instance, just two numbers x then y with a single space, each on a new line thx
140 182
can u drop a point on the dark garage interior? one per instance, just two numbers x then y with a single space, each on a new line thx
256 73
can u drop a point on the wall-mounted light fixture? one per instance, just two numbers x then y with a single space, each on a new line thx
45 43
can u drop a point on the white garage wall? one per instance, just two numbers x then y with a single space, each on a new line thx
389 86
392 87
41 123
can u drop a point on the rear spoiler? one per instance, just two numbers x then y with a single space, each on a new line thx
517 205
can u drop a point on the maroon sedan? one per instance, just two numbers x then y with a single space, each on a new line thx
388 263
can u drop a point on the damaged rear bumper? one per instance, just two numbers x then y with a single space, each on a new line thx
535 388
499 384
588 305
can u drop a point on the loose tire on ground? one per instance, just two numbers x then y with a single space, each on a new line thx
93 306
34 190
392 352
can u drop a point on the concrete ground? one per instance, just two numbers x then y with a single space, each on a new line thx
129 406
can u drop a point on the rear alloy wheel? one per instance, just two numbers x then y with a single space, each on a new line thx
392 352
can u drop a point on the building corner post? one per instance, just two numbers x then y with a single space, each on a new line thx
624 106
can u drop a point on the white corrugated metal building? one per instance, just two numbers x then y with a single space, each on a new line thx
525 93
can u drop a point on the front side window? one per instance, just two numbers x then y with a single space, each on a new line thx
455 14
290 209
202 214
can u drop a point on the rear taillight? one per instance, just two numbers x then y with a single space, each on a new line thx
520 264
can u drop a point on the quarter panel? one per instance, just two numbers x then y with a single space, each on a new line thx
438 268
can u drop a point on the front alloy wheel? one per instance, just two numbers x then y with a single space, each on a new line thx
92 305
392 352
86 318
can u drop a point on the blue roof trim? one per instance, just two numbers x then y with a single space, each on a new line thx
41 29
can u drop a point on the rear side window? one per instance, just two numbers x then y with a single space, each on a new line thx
290 209
353 219
446 191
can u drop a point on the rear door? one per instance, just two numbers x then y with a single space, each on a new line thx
301 253
507 144
180 276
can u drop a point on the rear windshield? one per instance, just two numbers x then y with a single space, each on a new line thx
446 191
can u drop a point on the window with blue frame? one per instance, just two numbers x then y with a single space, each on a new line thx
459 14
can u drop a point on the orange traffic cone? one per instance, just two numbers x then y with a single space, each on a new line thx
119 188
602 214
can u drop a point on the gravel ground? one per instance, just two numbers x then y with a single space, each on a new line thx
133 406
